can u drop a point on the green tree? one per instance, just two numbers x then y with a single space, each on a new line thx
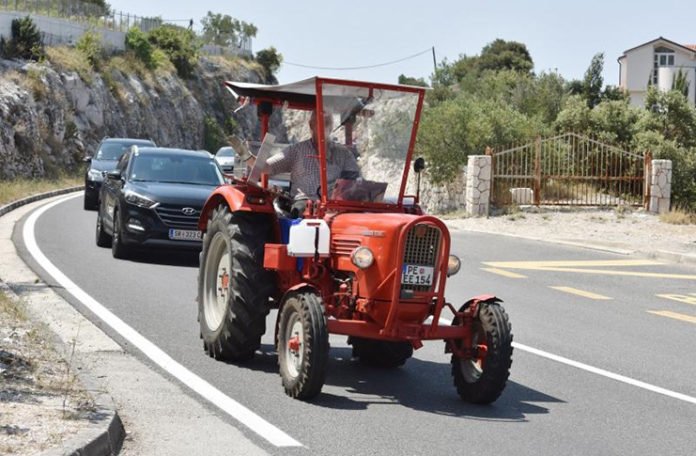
224 30
505 55
672 115
270 59
593 81
25 40
97 7
680 83
408 80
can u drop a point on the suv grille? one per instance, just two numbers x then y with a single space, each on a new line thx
174 218
422 247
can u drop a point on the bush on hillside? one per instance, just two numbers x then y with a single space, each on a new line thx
25 42
179 44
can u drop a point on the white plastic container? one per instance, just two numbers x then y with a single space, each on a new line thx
304 235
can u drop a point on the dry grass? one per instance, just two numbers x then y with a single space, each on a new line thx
678 217
70 59
15 189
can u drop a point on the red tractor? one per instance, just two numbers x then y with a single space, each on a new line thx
361 260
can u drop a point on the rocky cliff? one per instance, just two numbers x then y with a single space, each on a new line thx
51 118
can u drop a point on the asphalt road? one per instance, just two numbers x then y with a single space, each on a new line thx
634 320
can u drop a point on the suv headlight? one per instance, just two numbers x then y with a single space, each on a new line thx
95 175
453 265
362 257
139 200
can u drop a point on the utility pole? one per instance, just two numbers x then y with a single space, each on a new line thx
434 60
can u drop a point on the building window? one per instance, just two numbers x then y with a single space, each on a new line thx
664 57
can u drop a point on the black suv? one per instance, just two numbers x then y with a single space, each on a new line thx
108 153
154 197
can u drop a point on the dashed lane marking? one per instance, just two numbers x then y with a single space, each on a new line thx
586 267
674 315
207 391
583 293
687 299
504 273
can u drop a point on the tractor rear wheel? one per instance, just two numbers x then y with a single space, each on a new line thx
481 379
381 353
233 286
303 345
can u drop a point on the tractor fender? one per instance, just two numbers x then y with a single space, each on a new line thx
237 200
303 286
475 301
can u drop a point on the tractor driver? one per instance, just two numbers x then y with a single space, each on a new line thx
301 160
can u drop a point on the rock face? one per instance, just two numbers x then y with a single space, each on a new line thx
51 119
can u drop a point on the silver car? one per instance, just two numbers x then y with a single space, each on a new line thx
225 156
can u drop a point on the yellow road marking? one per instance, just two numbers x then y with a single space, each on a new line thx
568 264
680 298
675 315
580 267
504 273
584 294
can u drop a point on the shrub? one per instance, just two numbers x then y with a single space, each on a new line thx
25 42
137 42
90 46
270 60
180 46
213 135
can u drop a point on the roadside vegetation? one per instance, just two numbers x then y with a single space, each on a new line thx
494 99
15 189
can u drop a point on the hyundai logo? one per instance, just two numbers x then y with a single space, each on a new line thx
189 211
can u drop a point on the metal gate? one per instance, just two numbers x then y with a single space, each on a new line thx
569 169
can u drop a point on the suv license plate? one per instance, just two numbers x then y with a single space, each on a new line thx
184 235
417 275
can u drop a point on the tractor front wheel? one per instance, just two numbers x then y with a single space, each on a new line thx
481 378
303 345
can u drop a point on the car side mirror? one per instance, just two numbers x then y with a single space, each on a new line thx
87 159
113 175
419 165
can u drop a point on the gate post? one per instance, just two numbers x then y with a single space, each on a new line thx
478 184
537 171
660 186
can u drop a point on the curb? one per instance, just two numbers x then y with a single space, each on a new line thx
30 199
107 434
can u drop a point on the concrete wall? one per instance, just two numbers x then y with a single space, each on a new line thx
62 31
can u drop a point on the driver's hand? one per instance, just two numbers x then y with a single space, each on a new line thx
240 148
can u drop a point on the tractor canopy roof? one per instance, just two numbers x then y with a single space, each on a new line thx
375 123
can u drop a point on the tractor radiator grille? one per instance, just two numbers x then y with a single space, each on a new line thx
344 246
422 248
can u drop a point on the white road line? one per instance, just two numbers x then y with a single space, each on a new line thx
216 397
604 373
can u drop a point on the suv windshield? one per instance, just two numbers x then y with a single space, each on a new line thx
113 150
175 169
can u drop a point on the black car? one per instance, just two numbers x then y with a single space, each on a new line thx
108 153
153 199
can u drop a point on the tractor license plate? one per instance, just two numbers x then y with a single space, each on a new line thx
417 275
184 235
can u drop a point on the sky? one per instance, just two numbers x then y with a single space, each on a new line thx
561 36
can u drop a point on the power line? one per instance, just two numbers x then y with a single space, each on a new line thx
358 67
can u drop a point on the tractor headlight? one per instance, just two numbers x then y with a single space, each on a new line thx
139 200
453 265
362 257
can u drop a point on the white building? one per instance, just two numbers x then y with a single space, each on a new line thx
657 62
